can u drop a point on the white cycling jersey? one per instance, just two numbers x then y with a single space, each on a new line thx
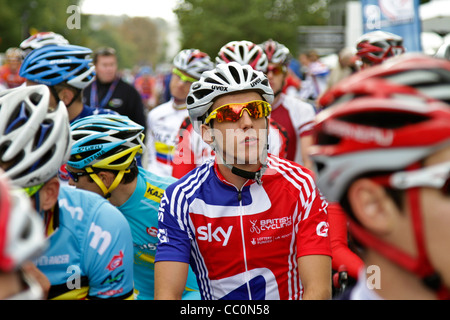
163 125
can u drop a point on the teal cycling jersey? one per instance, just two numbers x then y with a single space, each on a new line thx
90 249
141 211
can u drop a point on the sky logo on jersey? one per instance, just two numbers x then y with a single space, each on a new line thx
219 234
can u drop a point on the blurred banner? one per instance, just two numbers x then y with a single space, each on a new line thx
400 17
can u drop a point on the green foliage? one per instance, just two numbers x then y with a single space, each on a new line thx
19 18
209 24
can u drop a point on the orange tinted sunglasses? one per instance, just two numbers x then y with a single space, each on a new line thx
233 111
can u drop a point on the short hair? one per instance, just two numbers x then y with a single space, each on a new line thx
104 52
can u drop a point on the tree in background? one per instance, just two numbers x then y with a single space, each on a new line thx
19 18
209 24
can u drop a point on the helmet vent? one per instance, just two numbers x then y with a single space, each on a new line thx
384 120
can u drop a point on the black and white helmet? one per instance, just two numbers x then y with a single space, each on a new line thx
224 79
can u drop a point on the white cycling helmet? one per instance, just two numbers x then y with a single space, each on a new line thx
41 39
243 52
34 139
224 79
21 229
193 61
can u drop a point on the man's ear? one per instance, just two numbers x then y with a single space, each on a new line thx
48 195
372 206
66 95
107 177
207 133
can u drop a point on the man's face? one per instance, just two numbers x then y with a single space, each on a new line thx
276 74
83 182
242 141
106 68
179 89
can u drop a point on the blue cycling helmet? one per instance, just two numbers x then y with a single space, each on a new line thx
108 142
105 141
54 64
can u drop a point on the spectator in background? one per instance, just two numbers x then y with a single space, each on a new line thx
345 67
9 72
109 91
145 85
316 77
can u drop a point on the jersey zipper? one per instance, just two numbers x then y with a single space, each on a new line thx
241 214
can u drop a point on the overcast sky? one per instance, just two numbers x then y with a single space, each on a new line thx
147 8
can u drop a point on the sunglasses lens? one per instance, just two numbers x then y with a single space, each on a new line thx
276 70
233 112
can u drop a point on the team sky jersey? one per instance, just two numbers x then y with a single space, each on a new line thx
297 118
163 124
141 211
244 244
90 254
191 151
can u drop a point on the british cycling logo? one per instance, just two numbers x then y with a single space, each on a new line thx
270 224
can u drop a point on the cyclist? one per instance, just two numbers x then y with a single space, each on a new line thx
377 46
295 115
429 75
384 155
191 151
90 253
164 121
103 161
9 72
316 75
21 240
251 224
41 39
66 70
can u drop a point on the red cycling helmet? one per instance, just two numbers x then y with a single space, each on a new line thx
429 75
21 228
387 129
377 46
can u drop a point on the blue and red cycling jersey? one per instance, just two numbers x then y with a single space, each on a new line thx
244 244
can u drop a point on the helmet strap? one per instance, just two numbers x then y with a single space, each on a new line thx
107 191
420 265
75 97
55 94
